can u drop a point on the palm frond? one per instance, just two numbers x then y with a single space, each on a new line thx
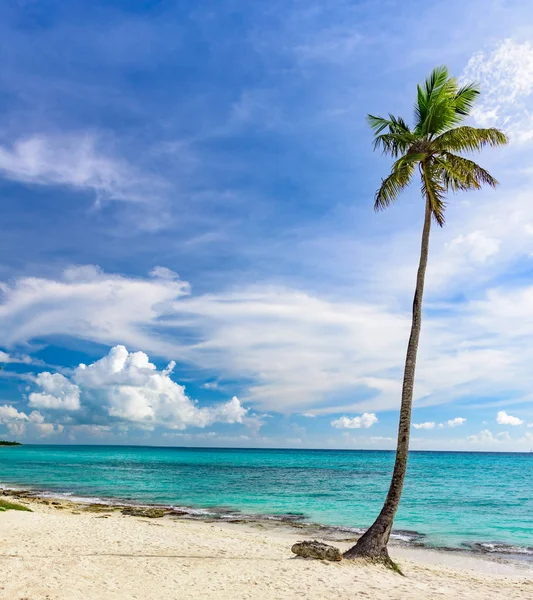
393 124
459 173
434 190
465 98
441 104
392 135
377 124
394 143
396 182
427 93
469 139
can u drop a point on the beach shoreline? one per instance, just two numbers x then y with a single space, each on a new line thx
291 523
65 549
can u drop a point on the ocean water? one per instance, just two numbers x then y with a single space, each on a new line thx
481 501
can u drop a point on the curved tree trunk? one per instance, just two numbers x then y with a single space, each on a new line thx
373 544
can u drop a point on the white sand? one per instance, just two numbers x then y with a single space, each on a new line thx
53 554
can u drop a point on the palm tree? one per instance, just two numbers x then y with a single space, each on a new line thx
434 146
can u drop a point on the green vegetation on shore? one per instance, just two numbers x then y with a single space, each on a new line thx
5 505
6 443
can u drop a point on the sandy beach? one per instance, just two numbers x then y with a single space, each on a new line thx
64 551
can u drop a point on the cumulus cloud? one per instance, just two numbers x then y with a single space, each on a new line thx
426 425
46 429
58 393
503 418
128 388
484 436
456 422
506 78
365 421
487 438
18 421
10 413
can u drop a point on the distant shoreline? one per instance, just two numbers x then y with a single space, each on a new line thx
291 449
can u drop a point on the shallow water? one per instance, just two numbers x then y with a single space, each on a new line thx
455 500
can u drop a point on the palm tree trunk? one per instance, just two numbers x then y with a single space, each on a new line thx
373 544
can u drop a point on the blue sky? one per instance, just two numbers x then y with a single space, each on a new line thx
226 142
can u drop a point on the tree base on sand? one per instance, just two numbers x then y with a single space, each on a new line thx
381 558
372 546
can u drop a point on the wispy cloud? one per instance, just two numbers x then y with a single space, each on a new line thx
291 351
23 359
506 78
75 160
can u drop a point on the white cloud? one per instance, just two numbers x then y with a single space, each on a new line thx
426 425
506 78
17 422
10 413
243 333
334 348
73 160
46 429
164 273
128 388
308 415
365 421
504 419
483 437
58 393
476 245
210 385
16 428
456 422
10 358
487 439
89 304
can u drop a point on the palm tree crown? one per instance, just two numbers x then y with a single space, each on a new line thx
433 143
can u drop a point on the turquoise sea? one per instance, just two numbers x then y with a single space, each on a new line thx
481 501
